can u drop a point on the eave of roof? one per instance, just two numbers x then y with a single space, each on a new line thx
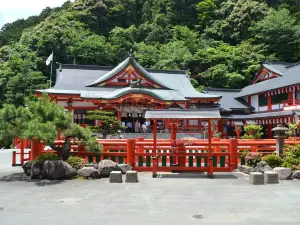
182 114
260 115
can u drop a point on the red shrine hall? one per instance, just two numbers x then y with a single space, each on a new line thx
130 90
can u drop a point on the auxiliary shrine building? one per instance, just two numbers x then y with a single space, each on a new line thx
129 90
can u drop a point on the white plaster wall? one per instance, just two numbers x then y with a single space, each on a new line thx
275 107
263 108
254 102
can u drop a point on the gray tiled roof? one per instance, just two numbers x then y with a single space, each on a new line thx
277 67
122 66
182 114
260 115
228 101
76 79
291 77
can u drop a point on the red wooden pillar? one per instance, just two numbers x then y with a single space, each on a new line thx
140 148
220 126
270 136
41 148
34 148
173 141
119 115
22 151
233 144
14 158
210 160
130 152
269 101
181 154
154 159
290 96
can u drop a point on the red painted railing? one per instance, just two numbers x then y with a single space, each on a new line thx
291 102
188 155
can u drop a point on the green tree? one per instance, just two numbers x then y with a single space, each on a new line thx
19 73
41 119
92 50
279 31
174 55
234 19
109 122
229 66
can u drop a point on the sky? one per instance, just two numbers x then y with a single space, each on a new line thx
11 10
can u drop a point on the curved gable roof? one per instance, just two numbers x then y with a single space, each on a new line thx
123 65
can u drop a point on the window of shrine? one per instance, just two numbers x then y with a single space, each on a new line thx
278 99
262 100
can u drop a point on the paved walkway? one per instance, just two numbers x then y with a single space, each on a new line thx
171 199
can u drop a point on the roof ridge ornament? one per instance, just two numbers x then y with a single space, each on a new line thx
131 54
137 84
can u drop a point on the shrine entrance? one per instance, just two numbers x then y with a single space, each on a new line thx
184 152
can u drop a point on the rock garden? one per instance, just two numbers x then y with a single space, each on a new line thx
287 165
50 166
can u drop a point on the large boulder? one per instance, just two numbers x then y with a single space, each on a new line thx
58 170
245 169
283 173
36 171
27 167
296 175
106 166
88 172
124 168
261 167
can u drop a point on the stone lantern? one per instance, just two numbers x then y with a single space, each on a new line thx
280 134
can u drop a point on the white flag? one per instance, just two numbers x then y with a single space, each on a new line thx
49 60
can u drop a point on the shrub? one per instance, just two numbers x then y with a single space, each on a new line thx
273 160
291 157
292 129
76 162
252 158
93 146
253 131
47 156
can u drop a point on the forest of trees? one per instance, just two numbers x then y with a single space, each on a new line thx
220 42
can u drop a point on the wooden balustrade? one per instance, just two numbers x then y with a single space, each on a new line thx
191 156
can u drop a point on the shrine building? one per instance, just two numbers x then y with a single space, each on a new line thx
130 90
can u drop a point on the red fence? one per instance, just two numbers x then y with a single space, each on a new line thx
183 155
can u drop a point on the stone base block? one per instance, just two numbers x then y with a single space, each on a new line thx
271 177
256 178
115 177
131 177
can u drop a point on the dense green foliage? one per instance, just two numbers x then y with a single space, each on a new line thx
109 123
221 42
76 162
272 160
252 131
42 119
47 156
291 157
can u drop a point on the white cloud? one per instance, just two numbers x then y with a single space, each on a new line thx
11 10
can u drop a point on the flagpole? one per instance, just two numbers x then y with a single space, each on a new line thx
51 71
